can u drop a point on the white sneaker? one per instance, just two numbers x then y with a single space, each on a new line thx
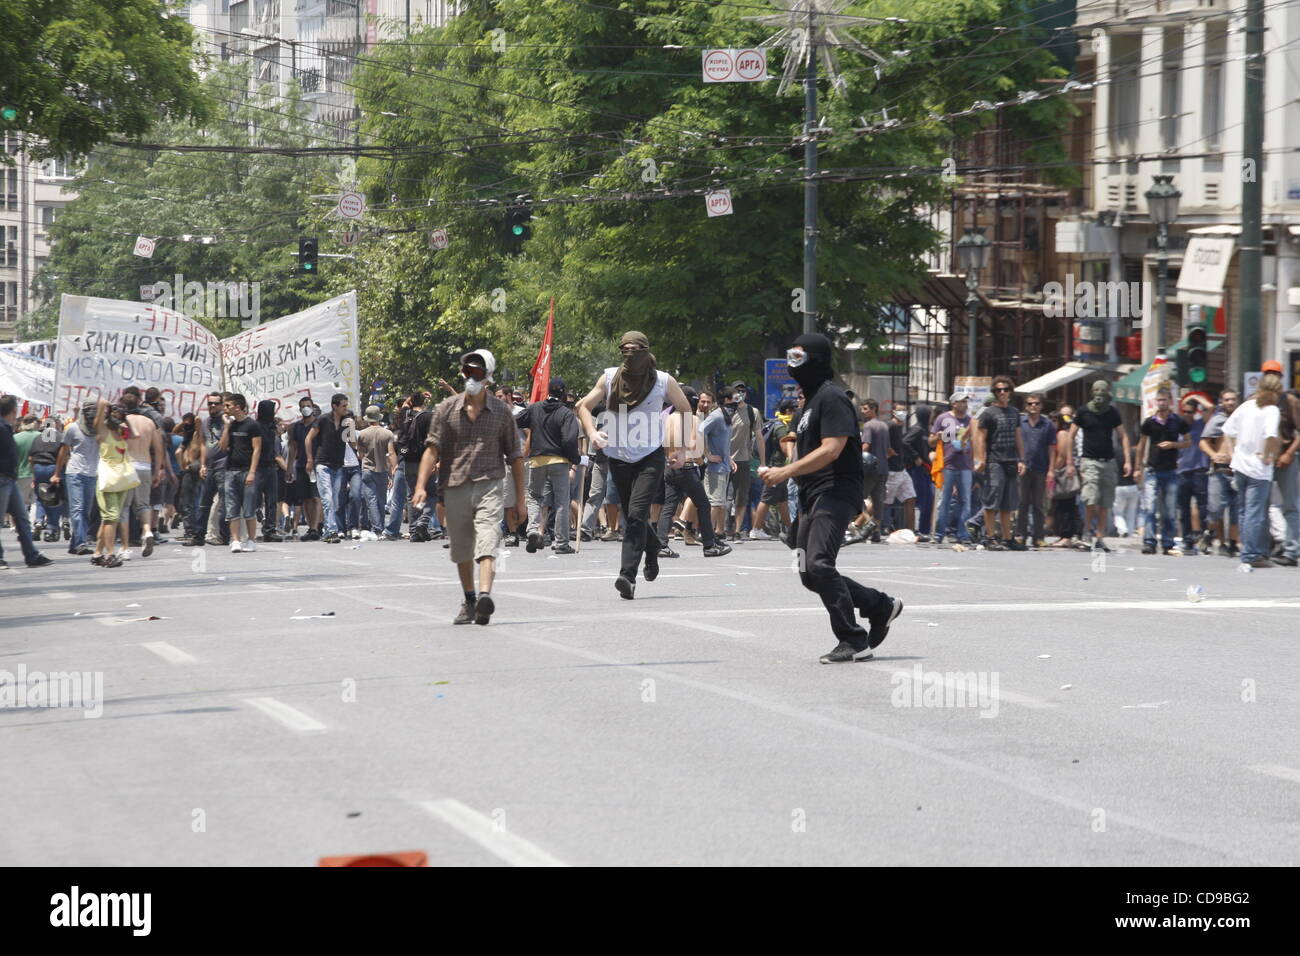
250 544
125 554
235 547
756 535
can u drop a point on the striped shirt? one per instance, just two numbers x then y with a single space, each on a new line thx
469 450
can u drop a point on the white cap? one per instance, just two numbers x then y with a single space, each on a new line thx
489 362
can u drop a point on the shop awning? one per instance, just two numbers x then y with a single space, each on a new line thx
1129 388
1067 373
1205 265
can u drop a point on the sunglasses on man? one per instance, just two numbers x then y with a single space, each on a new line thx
473 371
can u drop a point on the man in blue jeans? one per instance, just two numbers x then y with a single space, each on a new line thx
325 446
1193 475
378 462
1164 435
11 501
77 469
953 429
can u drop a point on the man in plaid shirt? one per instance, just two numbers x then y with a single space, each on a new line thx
471 437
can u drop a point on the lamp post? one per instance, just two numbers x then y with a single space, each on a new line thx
972 256
1162 202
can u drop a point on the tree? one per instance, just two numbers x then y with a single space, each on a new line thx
598 111
77 73
222 216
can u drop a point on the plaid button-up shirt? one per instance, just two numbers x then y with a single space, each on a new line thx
470 450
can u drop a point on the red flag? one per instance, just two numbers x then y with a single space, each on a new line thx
542 367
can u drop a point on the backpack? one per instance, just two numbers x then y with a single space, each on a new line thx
771 442
406 430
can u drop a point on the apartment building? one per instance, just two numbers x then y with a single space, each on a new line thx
1169 102
32 194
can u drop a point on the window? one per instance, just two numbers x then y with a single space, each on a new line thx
49 215
1171 89
56 169
10 198
1125 98
1216 51
10 251
12 143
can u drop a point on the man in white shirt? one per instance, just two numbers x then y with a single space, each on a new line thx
1251 438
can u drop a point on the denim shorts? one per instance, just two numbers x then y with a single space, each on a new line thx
241 499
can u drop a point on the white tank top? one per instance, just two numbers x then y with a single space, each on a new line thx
637 432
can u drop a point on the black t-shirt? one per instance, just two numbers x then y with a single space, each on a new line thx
1003 425
298 439
241 444
829 414
1098 432
328 447
1173 429
897 460
419 432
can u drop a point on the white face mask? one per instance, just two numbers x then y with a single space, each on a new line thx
475 385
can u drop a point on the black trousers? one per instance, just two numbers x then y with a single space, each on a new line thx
679 485
636 483
819 535
211 484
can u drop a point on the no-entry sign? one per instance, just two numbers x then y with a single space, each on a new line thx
735 66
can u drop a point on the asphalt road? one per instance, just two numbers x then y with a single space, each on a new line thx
1033 708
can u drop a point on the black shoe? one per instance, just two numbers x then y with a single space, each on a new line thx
272 537
1016 545
1100 545
718 550
534 542
993 544
1285 560
846 653
483 609
587 535
39 561
564 549
1148 549
111 561
668 553
331 539
51 536
148 547
651 567
466 615
880 622
82 551
626 588
97 561
193 543
512 541
1261 563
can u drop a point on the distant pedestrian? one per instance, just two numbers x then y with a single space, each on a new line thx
1253 440
11 502
1000 450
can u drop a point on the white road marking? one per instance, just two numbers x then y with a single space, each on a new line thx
1277 770
60 595
515 850
532 597
168 652
264 586
955 680
698 626
278 710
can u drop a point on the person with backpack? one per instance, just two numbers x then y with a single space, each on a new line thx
551 437
43 456
774 430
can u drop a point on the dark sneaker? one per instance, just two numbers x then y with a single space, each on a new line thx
651 566
332 539
39 561
565 548
626 588
272 537
1285 560
466 615
587 535
718 550
975 527
4 565
148 547
483 609
668 553
83 551
880 622
111 561
1100 545
534 542
922 539
51 536
846 653
993 544
1015 545
1233 550
97 560
192 543
1148 549
511 541
1262 563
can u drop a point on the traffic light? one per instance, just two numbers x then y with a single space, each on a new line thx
1181 375
518 215
307 251
8 114
1197 352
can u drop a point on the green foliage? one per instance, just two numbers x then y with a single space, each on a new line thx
580 102
255 206
81 72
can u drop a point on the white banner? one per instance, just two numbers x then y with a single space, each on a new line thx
42 349
105 345
313 352
28 378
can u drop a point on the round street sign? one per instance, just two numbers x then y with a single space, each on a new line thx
718 66
350 238
438 238
351 205
719 203
751 64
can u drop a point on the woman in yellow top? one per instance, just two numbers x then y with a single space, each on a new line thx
116 478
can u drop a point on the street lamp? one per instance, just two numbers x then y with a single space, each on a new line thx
1162 203
972 256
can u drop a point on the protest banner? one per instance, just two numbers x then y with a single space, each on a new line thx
27 378
105 345
312 352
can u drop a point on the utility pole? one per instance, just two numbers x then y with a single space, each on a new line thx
1252 190
810 184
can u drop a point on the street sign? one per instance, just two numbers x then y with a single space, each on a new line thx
350 238
351 205
438 238
143 247
147 293
735 66
718 202
777 384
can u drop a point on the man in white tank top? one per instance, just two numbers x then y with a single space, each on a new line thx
631 432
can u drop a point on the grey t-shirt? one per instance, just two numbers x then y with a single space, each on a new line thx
875 439
744 425
83 451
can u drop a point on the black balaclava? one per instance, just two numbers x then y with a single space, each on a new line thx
266 410
923 417
816 369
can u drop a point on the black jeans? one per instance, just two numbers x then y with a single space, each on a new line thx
818 538
636 483
211 485
268 494
681 484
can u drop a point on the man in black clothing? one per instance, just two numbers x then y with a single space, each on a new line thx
325 456
302 486
551 437
212 472
828 470
413 436
1000 447
241 439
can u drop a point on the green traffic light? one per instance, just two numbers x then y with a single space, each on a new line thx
517 230
308 266
1197 375
9 113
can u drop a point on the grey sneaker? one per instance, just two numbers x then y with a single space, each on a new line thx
880 622
466 615
846 653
